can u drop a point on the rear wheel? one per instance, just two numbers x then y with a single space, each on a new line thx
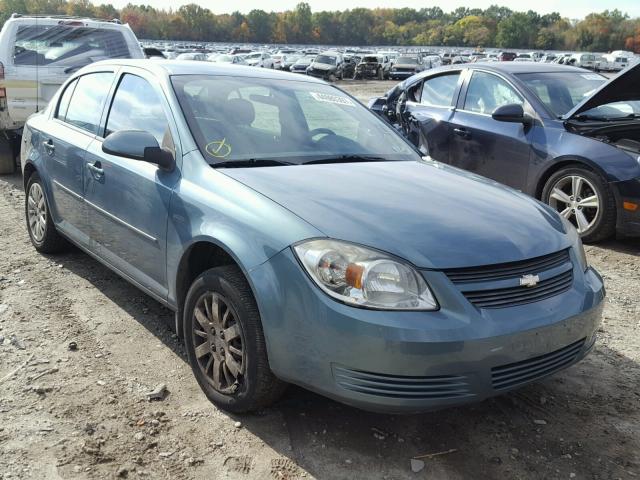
7 157
44 236
225 342
584 198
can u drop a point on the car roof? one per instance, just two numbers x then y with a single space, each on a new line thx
182 67
526 67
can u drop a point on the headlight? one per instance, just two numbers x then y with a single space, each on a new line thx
576 243
366 278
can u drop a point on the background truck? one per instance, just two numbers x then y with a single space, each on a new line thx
37 54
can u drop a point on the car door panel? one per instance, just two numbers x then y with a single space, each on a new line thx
497 150
127 204
427 111
128 200
63 149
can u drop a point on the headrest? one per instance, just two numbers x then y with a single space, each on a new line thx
240 111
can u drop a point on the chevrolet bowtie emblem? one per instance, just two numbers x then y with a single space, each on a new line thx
529 280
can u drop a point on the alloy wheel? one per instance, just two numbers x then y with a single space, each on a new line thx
577 200
218 342
37 212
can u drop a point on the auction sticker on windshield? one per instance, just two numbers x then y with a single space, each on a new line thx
328 98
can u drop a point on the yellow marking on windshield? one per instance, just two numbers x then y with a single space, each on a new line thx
218 148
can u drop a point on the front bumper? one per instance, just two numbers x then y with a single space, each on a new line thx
401 75
627 195
323 74
403 362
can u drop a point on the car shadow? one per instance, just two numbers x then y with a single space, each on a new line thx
582 421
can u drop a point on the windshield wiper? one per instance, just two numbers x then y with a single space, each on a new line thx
251 162
346 159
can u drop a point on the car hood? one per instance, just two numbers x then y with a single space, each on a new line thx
623 87
430 214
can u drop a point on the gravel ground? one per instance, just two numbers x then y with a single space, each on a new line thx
82 413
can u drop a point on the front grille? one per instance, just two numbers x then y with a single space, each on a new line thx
512 296
518 373
508 270
498 286
399 386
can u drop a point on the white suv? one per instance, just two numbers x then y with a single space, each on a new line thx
37 54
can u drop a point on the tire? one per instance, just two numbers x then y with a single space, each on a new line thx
332 77
7 157
559 193
43 234
244 381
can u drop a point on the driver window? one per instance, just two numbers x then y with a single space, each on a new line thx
487 92
136 106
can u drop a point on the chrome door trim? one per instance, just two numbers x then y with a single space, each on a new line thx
121 222
75 195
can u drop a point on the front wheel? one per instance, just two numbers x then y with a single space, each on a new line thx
584 198
225 342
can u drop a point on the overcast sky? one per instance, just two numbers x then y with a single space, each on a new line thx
567 8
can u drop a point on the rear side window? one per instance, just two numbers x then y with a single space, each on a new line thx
439 91
63 106
67 45
136 106
87 101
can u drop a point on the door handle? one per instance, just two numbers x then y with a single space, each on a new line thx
96 169
462 132
49 146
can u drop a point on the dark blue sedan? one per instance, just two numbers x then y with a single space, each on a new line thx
561 134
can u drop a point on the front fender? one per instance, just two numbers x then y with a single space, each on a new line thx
207 205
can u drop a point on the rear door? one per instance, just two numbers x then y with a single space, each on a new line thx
71 130
426 113
497 150
128 200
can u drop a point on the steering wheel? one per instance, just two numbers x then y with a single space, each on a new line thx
321 131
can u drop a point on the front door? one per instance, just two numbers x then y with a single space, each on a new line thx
480 144
128 200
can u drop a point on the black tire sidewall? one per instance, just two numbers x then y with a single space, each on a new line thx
602 227
214 281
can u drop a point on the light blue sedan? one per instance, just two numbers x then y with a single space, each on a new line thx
300 239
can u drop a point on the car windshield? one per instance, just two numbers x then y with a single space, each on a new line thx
67 45
562 91
326 59
370 60
408 60
254 119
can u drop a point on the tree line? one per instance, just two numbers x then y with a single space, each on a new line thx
471 27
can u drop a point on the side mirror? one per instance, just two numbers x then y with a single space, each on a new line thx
138 145
513 113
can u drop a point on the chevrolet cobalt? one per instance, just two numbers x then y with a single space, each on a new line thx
300 239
